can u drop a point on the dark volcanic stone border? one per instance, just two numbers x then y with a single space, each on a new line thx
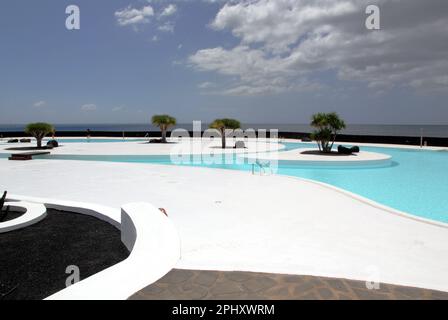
220 285
33 260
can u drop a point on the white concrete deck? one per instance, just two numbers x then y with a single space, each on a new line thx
230 220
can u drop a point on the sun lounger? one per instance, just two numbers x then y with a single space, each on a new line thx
348 151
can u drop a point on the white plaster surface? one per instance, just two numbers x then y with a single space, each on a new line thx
230 220
155 247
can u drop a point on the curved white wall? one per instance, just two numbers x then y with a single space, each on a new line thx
155 247
148 234
33 213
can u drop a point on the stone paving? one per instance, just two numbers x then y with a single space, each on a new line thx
216 285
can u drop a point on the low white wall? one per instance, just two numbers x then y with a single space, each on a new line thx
148 234
155 248
33 213
108 214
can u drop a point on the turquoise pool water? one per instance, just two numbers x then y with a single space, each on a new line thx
416 182
95 140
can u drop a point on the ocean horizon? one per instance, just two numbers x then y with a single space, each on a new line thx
352 129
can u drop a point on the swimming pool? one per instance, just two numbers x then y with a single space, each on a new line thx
93 140
415 182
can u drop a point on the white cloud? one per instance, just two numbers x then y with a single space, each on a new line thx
286 44
166 27
278 23
257 72
39 104
117 109
89 107
216 1
168 11
133 16
206 85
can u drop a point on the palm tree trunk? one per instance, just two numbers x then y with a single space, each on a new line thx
39 142
223 138
332 143
325 147
163 134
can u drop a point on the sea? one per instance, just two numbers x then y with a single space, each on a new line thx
352 129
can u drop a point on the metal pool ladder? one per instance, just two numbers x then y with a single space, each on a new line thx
264 168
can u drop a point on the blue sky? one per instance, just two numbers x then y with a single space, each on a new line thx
203 60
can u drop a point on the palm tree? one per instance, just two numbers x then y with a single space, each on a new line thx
222 124
39 131
328 125
163 121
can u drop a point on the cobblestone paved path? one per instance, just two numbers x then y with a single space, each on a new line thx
197 285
